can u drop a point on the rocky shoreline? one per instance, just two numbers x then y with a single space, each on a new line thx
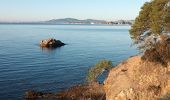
133 79
93 91
136 79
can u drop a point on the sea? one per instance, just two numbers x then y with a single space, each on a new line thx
24 65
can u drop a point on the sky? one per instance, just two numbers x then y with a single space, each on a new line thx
41 10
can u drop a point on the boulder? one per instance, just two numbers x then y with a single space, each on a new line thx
51 43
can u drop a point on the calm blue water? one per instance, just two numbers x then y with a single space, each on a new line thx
24 65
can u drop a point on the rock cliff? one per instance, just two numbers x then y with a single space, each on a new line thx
136 79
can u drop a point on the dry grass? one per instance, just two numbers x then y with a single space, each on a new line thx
80 92
160 53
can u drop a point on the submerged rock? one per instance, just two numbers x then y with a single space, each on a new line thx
51 43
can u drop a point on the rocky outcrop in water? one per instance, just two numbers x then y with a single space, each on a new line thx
136 79
51 43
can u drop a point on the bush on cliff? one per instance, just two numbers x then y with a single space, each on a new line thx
161 51
95 71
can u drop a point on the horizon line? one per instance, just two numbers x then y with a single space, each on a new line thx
64 18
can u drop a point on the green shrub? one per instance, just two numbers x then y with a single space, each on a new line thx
96 70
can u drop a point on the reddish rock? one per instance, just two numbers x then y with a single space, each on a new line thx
51 43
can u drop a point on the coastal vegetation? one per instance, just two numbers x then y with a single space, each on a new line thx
96 70
160 52
153 21
151 31
79 92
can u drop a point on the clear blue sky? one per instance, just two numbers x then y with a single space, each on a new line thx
38 10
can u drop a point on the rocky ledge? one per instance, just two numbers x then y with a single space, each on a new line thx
51 43
136 79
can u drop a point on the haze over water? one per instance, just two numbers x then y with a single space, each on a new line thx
24 65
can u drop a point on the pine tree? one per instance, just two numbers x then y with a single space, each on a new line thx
153 21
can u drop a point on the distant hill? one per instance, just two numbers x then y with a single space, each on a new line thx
75 21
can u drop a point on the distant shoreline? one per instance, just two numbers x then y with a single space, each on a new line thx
73 21
64 24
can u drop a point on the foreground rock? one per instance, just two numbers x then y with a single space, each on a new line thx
51 43
93 91
135 79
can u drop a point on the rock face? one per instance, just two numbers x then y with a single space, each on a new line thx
51 43
135 79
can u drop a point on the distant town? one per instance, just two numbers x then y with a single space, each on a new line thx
75 21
